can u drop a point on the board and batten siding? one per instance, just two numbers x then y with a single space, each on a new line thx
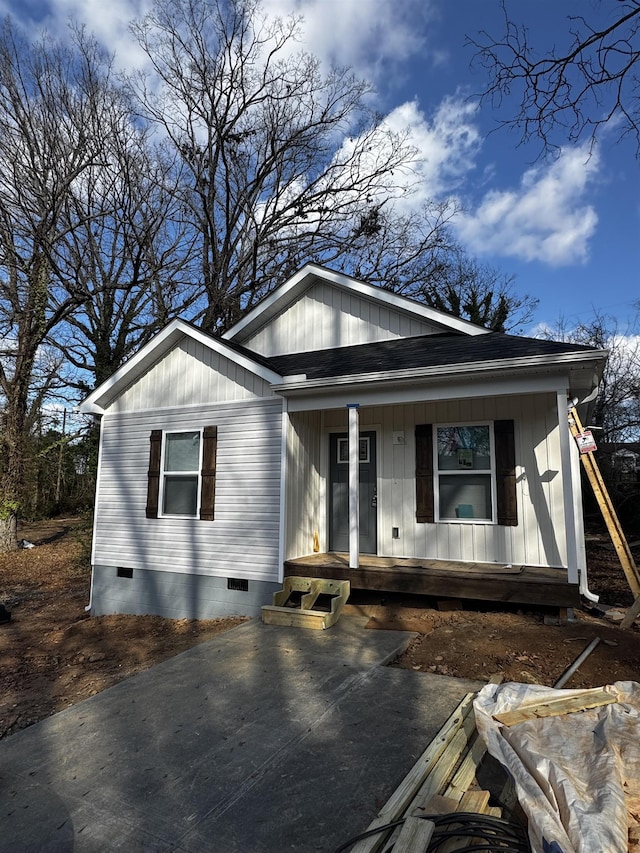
325 317
243 539
191 374
305 514
539 538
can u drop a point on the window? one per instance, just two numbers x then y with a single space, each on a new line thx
182 473
464 472
343 450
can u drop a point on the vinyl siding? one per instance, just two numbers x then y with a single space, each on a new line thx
191 374
241 542
305 505
325 317
538 539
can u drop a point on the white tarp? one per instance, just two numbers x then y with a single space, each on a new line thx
577 775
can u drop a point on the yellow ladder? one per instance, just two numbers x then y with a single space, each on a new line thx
611 520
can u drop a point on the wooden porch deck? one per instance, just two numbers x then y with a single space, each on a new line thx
444 578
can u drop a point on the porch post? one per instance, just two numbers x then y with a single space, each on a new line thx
354 486
284 471
571 493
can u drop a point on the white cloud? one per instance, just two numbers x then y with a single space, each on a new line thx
369 36
376 38
444 147
108 21
547 218
447 145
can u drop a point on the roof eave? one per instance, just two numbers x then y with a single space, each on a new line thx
529 364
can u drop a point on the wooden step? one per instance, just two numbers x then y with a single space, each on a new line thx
307 603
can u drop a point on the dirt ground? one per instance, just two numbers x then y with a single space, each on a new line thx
53 654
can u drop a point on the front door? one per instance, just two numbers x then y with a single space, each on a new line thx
339 493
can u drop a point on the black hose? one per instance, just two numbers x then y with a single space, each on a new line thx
490 834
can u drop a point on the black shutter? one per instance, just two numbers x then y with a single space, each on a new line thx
506 473
153 476
208 493
424 473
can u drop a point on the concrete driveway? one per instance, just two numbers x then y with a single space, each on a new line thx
262 740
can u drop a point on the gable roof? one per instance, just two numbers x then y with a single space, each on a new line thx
292 289
461 349
156 348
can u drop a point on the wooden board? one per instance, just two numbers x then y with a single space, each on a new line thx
307 615
607 509
533 586
474 801
632 614
402 798
555 707
414 836
465 774
292 618
448 567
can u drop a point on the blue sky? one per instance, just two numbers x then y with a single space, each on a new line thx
567 229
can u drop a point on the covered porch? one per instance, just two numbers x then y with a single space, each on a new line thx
495 582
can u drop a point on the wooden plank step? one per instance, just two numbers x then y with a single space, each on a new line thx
307 603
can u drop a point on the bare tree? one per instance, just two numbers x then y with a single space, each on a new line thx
448 279
49 98
283 162
127 256
590 80
616 410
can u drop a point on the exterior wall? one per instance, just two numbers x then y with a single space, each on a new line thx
174 594
538 539
191 374
304 511
326 317
242 541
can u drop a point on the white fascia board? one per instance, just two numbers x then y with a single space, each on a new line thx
151 352
409 393
523 365
297 284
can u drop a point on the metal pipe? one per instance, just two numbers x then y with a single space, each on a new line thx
566 675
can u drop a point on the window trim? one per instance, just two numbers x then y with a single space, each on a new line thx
504 459
163 474
207 473
437 473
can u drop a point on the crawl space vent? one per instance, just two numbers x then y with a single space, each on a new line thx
239 584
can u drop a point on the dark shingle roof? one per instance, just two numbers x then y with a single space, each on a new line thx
423 351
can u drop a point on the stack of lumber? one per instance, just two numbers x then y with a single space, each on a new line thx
442 781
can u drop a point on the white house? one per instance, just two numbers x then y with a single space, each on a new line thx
340 422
